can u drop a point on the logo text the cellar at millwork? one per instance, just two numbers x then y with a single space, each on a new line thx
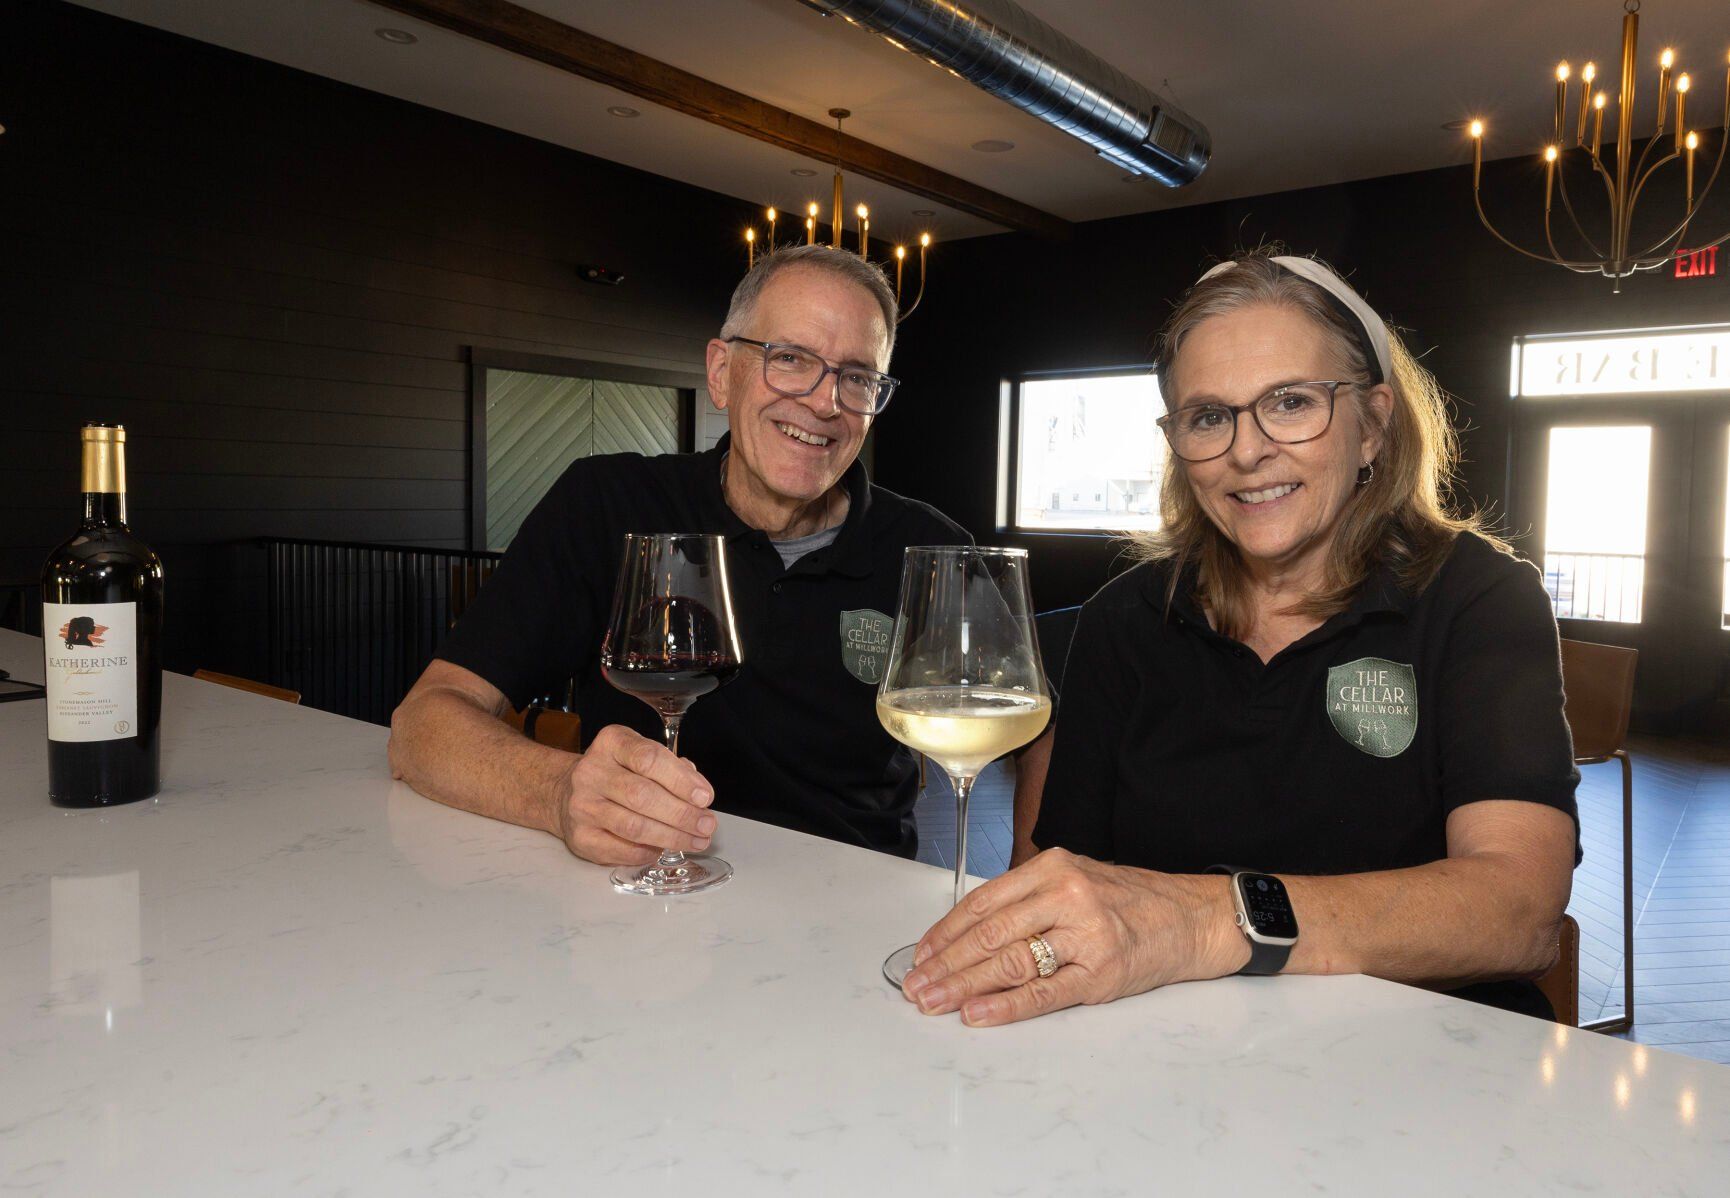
1373 704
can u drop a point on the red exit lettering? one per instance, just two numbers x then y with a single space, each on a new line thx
1697 264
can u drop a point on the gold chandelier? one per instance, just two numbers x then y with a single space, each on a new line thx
837 234
1624 184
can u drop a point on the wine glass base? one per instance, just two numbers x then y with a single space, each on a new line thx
688 877
897 965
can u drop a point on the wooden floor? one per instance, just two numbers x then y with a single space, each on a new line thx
1681 884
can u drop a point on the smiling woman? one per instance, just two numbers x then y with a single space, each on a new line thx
1319 674
1381 460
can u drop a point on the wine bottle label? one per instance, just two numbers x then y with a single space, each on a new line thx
91 651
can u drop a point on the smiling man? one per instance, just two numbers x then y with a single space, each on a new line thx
814 550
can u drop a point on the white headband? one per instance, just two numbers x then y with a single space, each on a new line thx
1345 301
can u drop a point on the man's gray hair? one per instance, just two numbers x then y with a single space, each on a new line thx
841 263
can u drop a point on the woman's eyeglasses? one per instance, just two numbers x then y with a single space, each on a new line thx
1289 415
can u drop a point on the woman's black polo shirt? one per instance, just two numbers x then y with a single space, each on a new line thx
793 740
1179 749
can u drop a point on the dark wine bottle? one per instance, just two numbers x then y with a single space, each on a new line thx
102 641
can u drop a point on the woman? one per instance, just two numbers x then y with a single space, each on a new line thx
1319 677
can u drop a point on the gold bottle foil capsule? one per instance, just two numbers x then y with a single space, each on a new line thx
104 468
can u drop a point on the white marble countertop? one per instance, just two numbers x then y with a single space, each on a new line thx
288 974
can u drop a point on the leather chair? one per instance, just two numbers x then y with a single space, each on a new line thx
548 726
1561 985
247 684
1598 699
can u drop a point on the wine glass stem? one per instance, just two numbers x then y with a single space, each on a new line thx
963 787
670 858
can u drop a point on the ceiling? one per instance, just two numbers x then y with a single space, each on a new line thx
1295 95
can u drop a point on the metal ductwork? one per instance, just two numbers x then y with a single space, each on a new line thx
1000 47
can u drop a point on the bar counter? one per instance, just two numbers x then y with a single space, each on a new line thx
289 974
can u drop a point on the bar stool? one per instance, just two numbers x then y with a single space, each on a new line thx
1598 698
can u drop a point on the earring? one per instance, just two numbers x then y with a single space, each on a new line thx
1365 474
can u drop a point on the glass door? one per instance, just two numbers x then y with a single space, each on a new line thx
1623 502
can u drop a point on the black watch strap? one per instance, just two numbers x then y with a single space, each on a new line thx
1265 960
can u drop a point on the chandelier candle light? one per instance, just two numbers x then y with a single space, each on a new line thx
837 230
1622 187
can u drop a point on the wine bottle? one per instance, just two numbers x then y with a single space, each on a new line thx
102 641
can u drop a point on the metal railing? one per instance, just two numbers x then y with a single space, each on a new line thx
352 625
1595 586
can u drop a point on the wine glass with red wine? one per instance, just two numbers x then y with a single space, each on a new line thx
671 640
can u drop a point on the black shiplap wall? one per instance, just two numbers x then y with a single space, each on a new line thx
273 280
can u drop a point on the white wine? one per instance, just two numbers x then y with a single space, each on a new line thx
963 728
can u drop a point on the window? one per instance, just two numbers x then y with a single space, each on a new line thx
1088 455
1595 522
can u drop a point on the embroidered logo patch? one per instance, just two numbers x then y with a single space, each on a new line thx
1373 703
865 643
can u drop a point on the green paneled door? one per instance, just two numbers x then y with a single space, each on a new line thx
537 424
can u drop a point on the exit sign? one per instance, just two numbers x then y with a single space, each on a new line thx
1697 264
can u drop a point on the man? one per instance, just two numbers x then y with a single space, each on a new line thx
814 550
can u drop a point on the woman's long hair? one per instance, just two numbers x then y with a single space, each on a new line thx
1403 517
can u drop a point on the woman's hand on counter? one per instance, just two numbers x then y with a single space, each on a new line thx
1114 930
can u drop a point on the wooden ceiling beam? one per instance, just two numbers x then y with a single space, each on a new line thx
514 28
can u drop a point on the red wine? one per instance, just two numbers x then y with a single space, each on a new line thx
102 644
671 685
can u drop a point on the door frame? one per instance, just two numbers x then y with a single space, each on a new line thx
1685 654
691 386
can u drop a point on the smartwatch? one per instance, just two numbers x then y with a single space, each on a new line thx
1265 915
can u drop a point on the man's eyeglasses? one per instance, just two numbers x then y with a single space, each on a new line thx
795 371
1290 415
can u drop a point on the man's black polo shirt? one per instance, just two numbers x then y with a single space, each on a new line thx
793 739
1179 749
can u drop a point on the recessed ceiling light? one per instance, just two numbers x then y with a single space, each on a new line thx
804 172
924 212
621 110
992 145
397 37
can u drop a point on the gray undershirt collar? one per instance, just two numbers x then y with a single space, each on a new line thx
791 551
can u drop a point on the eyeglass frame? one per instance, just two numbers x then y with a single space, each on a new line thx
1237 410
882 379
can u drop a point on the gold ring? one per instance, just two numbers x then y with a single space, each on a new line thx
1044 960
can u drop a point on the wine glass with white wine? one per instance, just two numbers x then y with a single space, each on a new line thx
964 684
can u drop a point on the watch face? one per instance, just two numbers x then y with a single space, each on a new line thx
1268 906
